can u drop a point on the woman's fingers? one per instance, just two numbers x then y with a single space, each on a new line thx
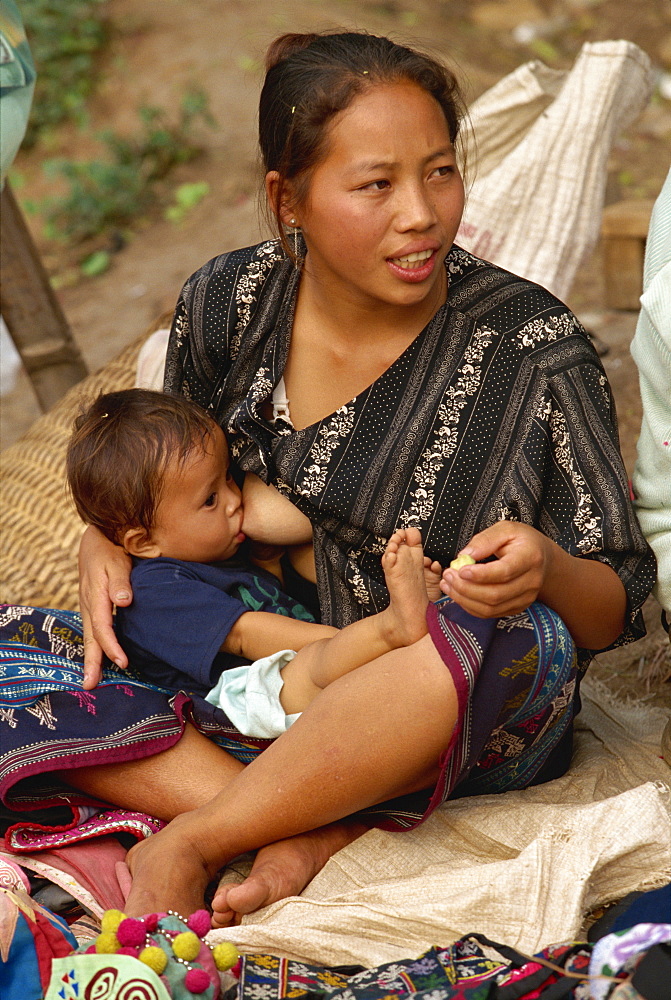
489 598
99 638
491 602
505 585
104 580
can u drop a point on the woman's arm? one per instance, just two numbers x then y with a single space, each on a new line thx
587 594
104 580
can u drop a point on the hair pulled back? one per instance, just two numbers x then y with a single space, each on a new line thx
310 78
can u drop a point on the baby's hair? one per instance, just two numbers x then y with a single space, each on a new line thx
119 451
310 78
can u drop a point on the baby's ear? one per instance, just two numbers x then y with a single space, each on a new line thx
137 542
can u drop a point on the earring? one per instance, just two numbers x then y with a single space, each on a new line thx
297 259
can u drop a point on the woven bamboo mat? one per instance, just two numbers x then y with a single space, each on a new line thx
40 528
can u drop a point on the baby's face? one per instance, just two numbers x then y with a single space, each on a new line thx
199 515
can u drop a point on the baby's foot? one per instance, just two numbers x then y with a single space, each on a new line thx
403 565
433 573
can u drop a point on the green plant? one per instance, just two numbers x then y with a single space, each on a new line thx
108 194
65 37
187 196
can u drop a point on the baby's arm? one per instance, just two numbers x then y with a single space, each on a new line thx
260 633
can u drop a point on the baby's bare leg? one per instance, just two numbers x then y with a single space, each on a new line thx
401 624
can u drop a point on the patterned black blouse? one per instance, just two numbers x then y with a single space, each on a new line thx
499 409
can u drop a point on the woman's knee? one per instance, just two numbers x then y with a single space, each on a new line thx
424 683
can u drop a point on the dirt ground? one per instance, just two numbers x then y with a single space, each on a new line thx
158 49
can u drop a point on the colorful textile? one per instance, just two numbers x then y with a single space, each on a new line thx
127 958
470 969
619 954
27 834
41 651
93 874
516 679
118 977
30 936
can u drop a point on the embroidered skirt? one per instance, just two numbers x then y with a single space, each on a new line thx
516 680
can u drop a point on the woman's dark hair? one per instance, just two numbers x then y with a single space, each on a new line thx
310 78
119 451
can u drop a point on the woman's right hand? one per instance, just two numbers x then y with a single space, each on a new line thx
104 580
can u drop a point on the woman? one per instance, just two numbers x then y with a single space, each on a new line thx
426 388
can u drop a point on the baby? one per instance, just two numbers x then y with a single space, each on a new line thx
152 472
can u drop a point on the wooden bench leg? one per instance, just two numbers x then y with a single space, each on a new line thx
34 318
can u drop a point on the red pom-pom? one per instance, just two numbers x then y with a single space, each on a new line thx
91 950
150 922
199 922
197 980
127 950
131 932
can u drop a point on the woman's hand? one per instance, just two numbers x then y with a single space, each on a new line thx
508 584
586 593
104 580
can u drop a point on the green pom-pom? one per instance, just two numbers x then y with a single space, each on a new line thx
107 943
225 955
154 957
111 920
186 946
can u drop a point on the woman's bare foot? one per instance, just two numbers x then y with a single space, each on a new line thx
433 573
168 873
404 573
281 870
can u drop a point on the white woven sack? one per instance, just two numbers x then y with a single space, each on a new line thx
521 867
542 140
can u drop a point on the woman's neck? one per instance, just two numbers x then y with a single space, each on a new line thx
352 322
338 349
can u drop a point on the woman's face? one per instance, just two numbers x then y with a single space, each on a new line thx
384 205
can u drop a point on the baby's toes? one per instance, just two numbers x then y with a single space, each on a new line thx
413 536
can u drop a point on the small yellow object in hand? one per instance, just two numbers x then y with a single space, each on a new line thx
464 560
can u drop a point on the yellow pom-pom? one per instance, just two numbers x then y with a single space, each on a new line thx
225 955
107 943
111 920
186 946
154 957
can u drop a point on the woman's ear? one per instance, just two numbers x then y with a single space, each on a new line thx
137 542
284 210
